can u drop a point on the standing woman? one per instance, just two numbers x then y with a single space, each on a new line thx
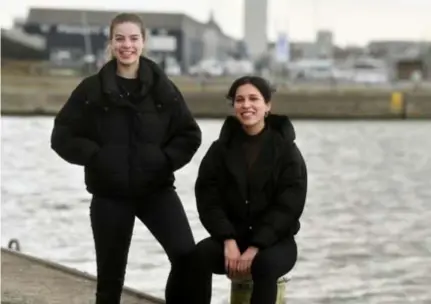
130 129
250 193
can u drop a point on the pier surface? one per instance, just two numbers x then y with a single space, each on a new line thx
29 280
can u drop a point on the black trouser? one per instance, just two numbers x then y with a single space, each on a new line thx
112 223
267 267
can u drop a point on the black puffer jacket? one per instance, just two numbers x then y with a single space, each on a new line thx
271 207
127 148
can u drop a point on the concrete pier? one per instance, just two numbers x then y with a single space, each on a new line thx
45 95
29 280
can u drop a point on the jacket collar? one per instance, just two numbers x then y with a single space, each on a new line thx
280 124
149 74
152 78
280 131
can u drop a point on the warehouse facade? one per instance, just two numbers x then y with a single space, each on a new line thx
80 32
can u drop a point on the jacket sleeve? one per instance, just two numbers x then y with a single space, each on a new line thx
67 138
209 200
186 136
289 200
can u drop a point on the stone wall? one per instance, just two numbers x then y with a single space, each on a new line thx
31 96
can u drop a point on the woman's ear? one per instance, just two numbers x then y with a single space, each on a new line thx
269 106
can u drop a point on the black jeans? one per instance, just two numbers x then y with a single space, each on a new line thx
112 222
267 267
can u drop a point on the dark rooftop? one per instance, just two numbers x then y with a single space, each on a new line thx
101 18
53 16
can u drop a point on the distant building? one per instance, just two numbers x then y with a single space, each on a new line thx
324 44
395 48
18 45
427 59
255 27
302 50
405 58
348 52
217 45
406 68
323 47
86 31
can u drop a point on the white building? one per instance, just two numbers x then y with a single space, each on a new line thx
255 27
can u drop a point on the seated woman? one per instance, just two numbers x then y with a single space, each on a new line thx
250 193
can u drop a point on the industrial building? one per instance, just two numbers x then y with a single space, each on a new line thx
18 45
83 32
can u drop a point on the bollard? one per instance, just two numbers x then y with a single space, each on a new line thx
397 105
240 292
14 245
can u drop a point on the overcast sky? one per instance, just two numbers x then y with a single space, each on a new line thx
352 21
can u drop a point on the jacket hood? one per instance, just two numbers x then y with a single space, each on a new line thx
280 124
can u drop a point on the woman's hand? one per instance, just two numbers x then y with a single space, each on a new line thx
245 261
231 257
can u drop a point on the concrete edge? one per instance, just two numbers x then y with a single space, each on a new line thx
75 272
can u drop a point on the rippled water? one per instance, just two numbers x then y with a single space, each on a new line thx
366 233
